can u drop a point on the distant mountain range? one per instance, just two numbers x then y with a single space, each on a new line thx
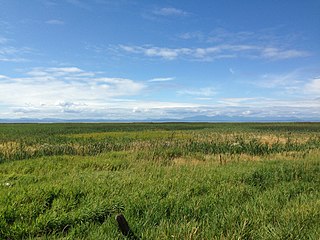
199 118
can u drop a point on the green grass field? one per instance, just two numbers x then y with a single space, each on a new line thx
170 180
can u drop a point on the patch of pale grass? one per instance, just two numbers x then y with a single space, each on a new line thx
188 161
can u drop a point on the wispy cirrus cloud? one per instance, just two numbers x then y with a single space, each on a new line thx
165 13
11 53
54 72
280 81
170 11
55 22
313 86
298 82
278 54
5 27
219 35
269 43
267 37
150 51
214 52
164 79
237 102
277 104
3 40
201 92
195 35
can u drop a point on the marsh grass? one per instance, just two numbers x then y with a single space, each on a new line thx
179 181
163 144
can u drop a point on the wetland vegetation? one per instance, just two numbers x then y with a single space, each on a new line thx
170 180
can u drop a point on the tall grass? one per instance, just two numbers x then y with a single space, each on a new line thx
179 181
166 140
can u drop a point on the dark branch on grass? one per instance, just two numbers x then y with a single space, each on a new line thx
124 227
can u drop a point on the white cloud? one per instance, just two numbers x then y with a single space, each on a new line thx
205 92
10 59
165 79
57 72
280 81
313 87
223 35
49 89
214 52
55 22
11 53
131 49
170 11
274 53
173 53
262 37
237 101
277 105
72 93
8 50
161 52
204 98
94 100
191 35
294 83
166 53
270 44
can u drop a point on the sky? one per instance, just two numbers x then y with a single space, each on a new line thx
138 59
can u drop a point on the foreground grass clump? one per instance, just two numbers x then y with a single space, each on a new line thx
165 190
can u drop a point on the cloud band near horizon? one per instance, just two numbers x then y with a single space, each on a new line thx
70 92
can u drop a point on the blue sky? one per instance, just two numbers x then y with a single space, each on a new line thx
103 59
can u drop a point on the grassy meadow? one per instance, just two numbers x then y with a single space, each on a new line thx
170 180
